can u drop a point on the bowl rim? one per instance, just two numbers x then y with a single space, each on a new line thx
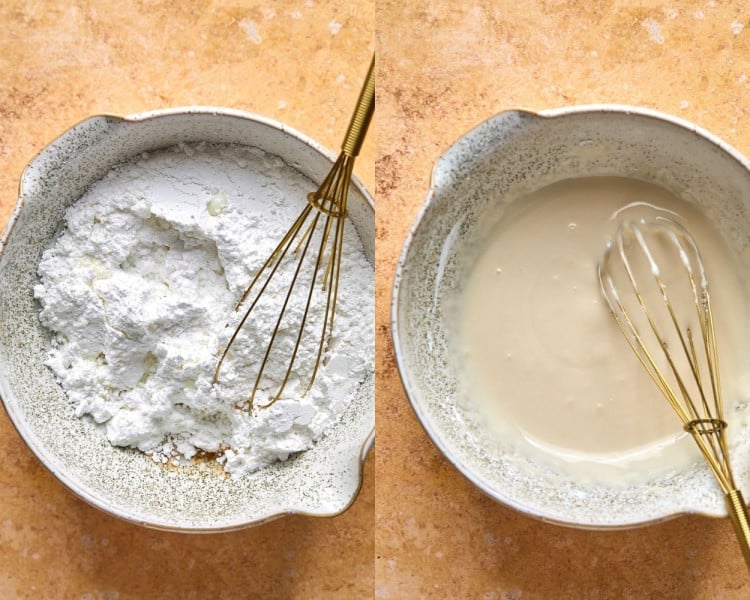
19 423
423 416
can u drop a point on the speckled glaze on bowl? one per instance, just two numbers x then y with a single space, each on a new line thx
322 481
508 156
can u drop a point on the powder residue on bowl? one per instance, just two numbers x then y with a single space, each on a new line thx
139 285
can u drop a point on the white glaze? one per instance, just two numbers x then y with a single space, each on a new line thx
545 362
508 156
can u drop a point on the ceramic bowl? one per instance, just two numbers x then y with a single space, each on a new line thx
322 481
510 155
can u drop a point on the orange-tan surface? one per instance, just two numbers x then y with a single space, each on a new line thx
443 68
300 62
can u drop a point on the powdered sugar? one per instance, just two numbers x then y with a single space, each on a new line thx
138 289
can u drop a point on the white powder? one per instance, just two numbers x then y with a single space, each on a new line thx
138 288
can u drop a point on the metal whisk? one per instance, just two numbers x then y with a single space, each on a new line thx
323 216
653 278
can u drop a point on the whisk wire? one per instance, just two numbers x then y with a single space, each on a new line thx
703 424
702 416
714 352
670 309
282 312
274 259
324 215
686 338
633 338
333 268
651 364
716 386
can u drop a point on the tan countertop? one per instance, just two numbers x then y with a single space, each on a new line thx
300 62
443 68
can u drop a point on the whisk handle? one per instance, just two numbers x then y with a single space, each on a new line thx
738 515
362 116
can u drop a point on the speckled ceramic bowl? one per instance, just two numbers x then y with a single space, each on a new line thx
322 481
508 156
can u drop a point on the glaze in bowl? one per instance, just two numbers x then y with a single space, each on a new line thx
506 157
322 481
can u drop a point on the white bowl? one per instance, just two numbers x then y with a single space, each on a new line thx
507 156
322 481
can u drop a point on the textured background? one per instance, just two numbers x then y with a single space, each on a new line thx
445 67
300 62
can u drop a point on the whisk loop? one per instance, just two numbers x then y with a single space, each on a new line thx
325 212
643 276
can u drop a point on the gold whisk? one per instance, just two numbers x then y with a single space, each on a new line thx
325 211
653 279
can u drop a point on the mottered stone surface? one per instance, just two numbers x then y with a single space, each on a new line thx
301 63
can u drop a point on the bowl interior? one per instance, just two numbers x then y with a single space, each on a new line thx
507 157
321 481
